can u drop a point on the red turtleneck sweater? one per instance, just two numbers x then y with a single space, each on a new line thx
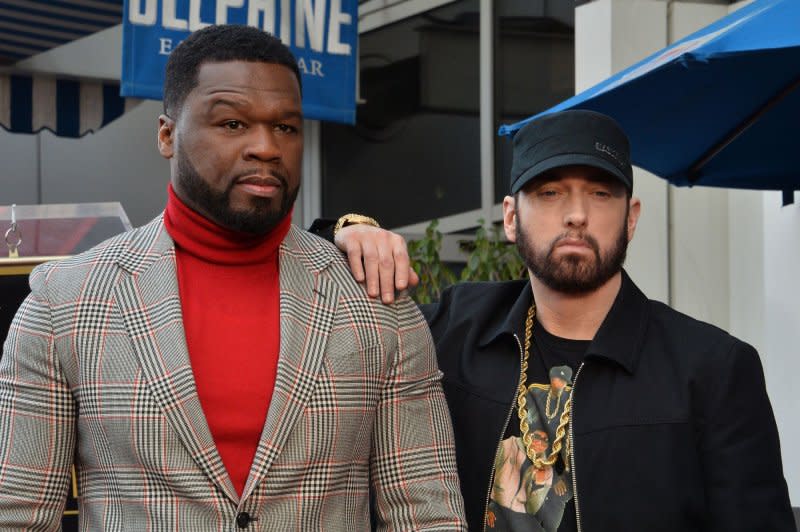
230 297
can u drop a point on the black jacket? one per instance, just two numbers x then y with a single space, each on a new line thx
672 426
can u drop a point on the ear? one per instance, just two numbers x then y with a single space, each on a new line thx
510 218
166 136
633 216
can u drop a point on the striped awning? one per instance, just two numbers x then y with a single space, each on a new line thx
68 108
30 102
29 27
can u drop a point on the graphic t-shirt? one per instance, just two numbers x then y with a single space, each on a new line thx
526 497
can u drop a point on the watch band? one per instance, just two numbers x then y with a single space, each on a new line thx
352 219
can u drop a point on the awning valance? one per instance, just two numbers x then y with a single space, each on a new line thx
67 107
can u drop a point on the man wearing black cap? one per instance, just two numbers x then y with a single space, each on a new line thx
666 425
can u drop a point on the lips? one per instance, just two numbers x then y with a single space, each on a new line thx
573 242
260 185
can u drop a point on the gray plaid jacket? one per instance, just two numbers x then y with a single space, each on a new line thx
95 370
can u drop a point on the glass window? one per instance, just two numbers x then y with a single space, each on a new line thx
414 153
534 67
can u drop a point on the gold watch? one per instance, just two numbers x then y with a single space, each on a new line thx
352 219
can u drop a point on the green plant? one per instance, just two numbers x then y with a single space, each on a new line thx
491 258
434 275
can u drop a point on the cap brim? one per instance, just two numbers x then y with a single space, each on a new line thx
569 159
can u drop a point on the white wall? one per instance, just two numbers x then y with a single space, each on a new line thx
19 154
781 321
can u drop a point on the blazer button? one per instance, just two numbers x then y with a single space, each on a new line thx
243 519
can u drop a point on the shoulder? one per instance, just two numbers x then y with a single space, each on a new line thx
674 321
486 293
321 257
480 297
701 341
124 249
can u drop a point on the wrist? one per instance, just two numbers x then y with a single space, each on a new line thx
353 219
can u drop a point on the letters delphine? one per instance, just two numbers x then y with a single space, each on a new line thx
300 24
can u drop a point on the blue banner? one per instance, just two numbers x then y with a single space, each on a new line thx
322 34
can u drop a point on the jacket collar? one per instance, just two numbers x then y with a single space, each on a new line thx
515 319
622 333
619 338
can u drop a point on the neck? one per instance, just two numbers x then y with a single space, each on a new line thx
574 316
200 237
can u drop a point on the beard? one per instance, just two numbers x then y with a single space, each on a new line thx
261 216
573 274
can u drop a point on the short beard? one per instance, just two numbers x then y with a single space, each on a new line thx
259 219
573 275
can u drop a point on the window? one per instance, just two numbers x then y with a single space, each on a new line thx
414 153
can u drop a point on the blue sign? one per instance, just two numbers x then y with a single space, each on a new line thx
322 34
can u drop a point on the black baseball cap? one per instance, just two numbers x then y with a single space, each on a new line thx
574 137
561 372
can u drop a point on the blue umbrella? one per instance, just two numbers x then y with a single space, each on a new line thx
718 108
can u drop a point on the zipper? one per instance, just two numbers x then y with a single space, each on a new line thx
572 451
502 433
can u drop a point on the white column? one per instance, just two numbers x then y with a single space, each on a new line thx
700 261
308 206
610 35
781 319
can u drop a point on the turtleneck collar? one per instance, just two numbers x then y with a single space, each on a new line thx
200 237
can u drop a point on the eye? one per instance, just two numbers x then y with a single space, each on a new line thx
602 194
232 125
286 128
548 193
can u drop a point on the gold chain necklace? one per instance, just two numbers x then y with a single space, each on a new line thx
551 414
522 411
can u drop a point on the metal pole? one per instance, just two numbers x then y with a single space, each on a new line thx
487 125
694 170
39 168
670 198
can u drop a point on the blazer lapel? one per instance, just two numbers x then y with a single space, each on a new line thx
150 303
308 305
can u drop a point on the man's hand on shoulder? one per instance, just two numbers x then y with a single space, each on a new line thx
378 256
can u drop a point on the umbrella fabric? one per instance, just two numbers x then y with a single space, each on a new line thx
682 105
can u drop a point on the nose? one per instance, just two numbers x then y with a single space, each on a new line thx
262 145
575 214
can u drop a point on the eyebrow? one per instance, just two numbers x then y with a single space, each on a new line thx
298 114
292 114
225 101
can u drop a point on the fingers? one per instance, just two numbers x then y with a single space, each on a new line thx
354 258
395 267
371 268
402 264
413 278
379 258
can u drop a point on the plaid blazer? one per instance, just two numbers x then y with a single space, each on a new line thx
95 370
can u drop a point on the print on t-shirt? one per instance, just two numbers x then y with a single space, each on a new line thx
525 497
